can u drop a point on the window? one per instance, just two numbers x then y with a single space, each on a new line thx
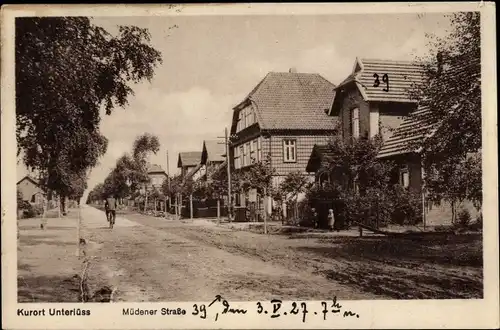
249 117
253 151
237 157
242 155
289 151
404 176
240 121
355 123
247 154
259 149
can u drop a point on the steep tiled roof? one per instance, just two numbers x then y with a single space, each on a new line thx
154 168
213 151
412 130
290 100
402 75
190 158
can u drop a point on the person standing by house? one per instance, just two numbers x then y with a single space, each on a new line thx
331 220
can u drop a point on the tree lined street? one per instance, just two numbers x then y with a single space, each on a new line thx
151 259
146 258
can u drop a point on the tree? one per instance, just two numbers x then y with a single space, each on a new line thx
258 176
57 113
293 184
130 175
452 91
353 165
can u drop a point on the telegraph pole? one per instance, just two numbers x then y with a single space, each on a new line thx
168 178
229 208
228 164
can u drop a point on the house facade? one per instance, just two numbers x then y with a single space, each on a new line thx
282 118
156 176
189 162
374 99
30 190
212 156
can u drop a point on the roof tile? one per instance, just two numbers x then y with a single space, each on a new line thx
412 130
289 100
214 150
190 158
402 75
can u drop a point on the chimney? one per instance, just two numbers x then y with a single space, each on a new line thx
292 70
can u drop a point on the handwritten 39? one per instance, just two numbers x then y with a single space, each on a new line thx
274 308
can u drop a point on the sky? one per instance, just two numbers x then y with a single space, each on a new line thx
210 63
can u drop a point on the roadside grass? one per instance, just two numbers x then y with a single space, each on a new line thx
47 267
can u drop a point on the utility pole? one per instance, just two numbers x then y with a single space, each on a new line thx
228 165
228 177
169 194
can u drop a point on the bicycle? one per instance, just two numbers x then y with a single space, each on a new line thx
111 219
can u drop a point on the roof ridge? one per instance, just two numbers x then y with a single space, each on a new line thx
413 62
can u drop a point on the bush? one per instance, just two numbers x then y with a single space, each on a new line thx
407 207
463 218
38 209
23 205
307 220
478 224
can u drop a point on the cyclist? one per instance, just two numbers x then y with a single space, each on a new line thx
110 206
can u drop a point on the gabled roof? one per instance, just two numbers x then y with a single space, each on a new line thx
154 168
190 158
320 155
410 133
29 178
402 75
213 151
291 101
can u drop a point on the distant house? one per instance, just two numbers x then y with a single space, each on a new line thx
283 117
189 163
30 190
212 156
156 175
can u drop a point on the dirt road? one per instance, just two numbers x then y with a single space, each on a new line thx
153 259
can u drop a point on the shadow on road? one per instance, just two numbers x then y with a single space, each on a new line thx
405 269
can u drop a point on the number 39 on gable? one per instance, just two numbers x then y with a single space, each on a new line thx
385 79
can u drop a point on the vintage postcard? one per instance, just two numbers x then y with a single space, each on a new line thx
259 166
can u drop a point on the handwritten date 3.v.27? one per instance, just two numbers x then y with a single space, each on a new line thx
277 309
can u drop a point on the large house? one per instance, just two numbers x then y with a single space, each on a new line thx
30 190
283 117
375 99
